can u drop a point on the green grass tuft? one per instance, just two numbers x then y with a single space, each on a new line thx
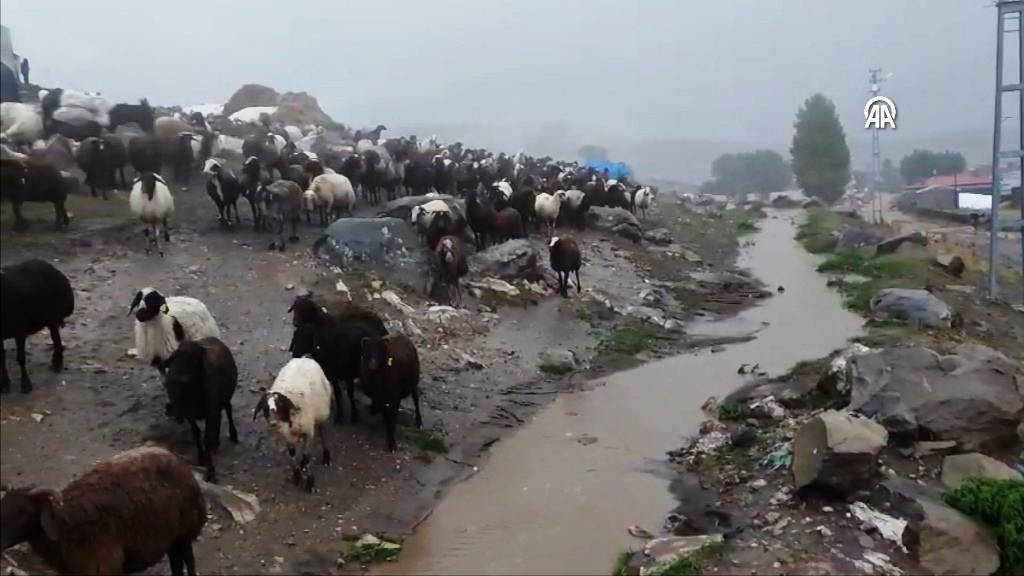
888 271
630 339
621 566
733 411
1000 503
817 233
427 441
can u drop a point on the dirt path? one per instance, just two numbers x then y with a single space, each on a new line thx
106 402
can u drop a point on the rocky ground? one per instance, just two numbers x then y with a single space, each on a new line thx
841 466
483 370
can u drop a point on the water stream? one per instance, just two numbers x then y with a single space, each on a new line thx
550 499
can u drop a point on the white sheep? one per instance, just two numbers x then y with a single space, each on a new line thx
21 124
574 198
546 207
505 188
423 215
161 323
151 202
297 408
643 199
334 194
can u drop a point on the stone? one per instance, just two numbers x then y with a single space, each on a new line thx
494 285
658 236
855 238
654 297
812 203
370 240
617 220
837 450
401 208
557 361
665 551
957 467
691 256
890 245
645 313
887 526
758 484
945 541
743 437
952 264
912 305
510 260
972 399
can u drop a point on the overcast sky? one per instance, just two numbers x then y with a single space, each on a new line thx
627 74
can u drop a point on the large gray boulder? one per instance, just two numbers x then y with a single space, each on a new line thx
658 236
617 220
855 238
971 396
402 207
350 240
946 541
959 466
890 245
510 260
837 450
915 306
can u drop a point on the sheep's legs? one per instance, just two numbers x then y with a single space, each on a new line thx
232 432
20 223
350 386
176 560
325 458
188 557
579 288
57 360
390 423
5 379
338 413
295 232
26 384
416 404
204 455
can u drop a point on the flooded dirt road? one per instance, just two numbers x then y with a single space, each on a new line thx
558 494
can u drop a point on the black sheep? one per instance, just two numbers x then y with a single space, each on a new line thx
390 371
35 296
182 156
481 218
508 224
144 154
34 181
224 189
141 114
96 159
200 380
76 132
335 345
117 158
565 258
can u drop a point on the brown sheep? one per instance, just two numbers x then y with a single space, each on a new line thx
509 224
390 372
122 516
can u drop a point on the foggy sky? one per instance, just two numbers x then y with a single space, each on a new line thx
674 79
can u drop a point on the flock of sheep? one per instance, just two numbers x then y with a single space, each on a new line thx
284 173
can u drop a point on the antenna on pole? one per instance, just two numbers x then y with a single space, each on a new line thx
875 79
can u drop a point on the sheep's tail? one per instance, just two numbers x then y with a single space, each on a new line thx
148 184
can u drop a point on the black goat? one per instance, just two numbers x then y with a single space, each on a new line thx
335 344
565 258
141 114
224 189
96 159
35 296
182 156
481 218
34 181
144 154
200 380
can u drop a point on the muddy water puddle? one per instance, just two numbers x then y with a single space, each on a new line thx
556 496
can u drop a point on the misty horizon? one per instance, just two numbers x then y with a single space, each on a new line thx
664 87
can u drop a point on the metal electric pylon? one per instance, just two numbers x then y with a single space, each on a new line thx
1010 11
875 78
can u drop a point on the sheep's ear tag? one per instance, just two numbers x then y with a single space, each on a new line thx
390 359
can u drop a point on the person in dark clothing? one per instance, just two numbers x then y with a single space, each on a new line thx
24 69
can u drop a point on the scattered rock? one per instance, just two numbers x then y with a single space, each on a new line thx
952 264
855 238
924 448
758 484
557 361
658 236
973 398
494 285
890 245
946 541
662 552
37 417
912 305
638 532
289 287
132 353
812 203
390 297
783 201
743 437
646 314
888 527
959 466
341 288
691 256
374 240
466 360
654 296
617 220
510 260
768 408
837 450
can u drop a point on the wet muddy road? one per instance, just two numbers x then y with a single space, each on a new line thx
558 494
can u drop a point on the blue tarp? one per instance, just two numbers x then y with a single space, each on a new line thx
616 170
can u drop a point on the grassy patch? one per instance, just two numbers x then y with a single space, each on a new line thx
371 551
888 271
1000 503
590 310
691 564
630 339
883 333
426 441
817 233
686 296
554 369
733 411
621 566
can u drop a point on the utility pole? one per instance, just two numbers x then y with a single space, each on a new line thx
1008 11
875 78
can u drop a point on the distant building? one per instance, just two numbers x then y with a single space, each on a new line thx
974 181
